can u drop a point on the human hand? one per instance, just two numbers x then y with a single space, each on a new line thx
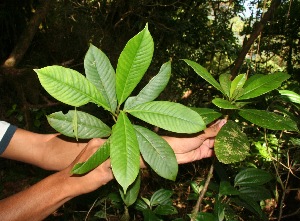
196 147
95 178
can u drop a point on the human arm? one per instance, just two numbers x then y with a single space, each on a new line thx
41 199
47 151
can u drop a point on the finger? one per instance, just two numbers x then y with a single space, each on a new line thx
213 130
92 146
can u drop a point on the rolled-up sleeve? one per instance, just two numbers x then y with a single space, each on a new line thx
6 133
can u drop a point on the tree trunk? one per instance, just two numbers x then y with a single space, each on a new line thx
25 39
257 30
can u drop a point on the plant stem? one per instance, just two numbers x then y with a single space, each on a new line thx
197 207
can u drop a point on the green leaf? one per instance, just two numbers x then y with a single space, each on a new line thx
157 153
151 91
169 116
95 160
202 216
132 193
69 86
227 189
165 210
221 103
225 82
231 144
161 197
133 63
219 209
257 193
237 84
263 84
252 206
208 115
88 126
268 120
150 216
292 96
124 152
202 72
100 72
252 177
140 205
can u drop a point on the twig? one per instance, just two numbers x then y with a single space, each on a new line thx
197 207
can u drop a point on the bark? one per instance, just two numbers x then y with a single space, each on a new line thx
256 32
25 39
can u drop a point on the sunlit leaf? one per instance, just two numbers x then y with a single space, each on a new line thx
292 96
169 116
202 72
268 120
263 84
225 104
225 83
88 126
95 160
208 115
231 144
157 153
100 72
151 91
124 152
237 83
133 63
69 86
132 192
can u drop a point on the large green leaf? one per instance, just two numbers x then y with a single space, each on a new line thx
133 63
225 82
95 160
227 189
257 193
169 116
263 84
155 86
124 152
202 72
69 86
208 115
225 104
100 72
268 120
132 192
237 83
165 210
88 126
292 96
252 177
161 197
157 153
252 206
231 144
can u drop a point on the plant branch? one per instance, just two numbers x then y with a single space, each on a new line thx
197 207
256 32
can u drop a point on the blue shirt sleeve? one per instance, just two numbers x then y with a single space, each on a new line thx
6 133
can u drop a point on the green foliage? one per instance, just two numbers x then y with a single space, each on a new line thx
248 191
231 144
158 205
109 90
